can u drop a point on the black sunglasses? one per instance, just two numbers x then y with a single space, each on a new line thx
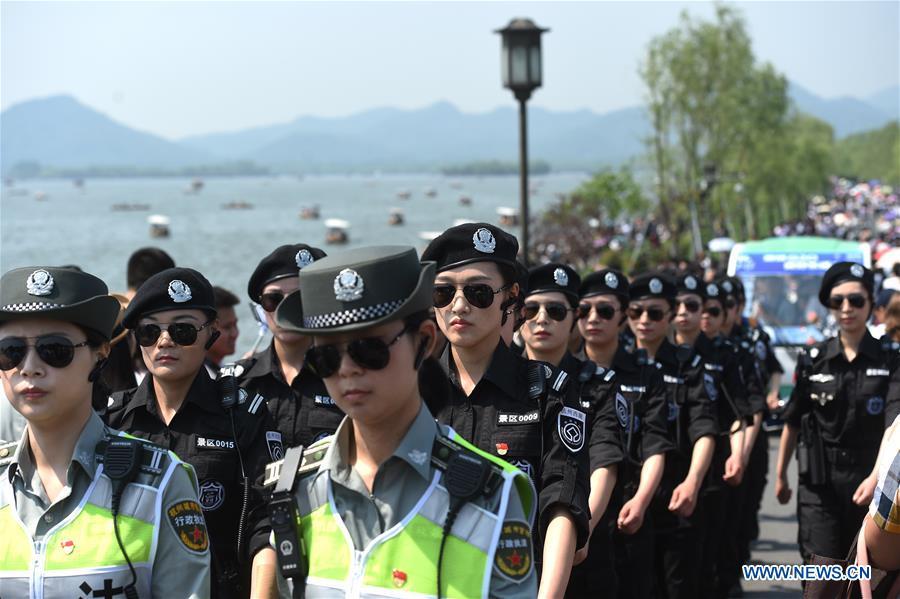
713 311
480 295
555 310
269 301
857 300
654 314
55 350
689 305
181 333
604 311
371 353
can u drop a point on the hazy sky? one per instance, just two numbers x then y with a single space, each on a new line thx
178 69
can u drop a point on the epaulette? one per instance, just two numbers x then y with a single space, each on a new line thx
7 451
152 457
312 459
236 369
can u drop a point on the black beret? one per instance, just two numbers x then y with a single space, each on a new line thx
472 242
652 285
285 261
714 292
171 289
605 282
358 289
689 283
726 287
62 294
842 272
738 288
554 277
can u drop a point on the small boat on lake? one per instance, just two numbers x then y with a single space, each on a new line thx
159 225
509 217
396 217
336 231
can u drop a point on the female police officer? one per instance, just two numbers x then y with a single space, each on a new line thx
227 437
837 410
551 301
396 505
72 523
497 400
297 400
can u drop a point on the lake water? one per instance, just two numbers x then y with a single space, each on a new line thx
74 225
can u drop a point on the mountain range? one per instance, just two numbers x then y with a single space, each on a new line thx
61 132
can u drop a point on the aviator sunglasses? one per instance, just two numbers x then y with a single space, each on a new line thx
371 353
857 300
604 311
654 314
55 350
555 310
269 301
181 333
713 311
689 305
479 295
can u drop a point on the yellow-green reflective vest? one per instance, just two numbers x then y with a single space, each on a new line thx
79 557
402 561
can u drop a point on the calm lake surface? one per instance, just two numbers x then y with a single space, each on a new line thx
72 225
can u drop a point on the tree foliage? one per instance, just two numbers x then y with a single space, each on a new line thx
871 154
711 103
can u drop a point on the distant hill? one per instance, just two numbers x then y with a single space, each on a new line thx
846 115
62 132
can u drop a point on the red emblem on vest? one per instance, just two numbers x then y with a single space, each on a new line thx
502 448
399 578
68 546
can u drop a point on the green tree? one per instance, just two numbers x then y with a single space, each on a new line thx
871 154
715 111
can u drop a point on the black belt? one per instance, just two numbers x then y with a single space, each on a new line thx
839 456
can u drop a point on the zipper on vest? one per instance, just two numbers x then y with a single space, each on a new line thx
356 578
37 571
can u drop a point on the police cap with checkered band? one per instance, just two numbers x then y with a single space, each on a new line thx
358 289
62 294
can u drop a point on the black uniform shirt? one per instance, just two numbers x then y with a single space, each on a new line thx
723 381
200 433
689 414
634 395
752 370
847 399
501 417
302 410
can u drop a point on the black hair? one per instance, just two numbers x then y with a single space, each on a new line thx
413 321
146 262
224 298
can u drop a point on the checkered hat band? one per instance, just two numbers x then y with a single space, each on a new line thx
336 319
31 307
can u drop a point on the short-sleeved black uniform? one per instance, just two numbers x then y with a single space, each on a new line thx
201 434
501 416
841 407
302 410
627 406
689 417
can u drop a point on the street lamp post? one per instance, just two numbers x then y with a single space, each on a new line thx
707 182
520 67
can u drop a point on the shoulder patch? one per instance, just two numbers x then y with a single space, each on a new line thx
186 518
571 426
513 559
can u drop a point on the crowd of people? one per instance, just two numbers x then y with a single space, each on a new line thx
449 424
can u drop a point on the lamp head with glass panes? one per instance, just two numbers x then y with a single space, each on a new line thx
521 58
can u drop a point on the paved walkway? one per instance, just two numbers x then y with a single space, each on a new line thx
777 542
